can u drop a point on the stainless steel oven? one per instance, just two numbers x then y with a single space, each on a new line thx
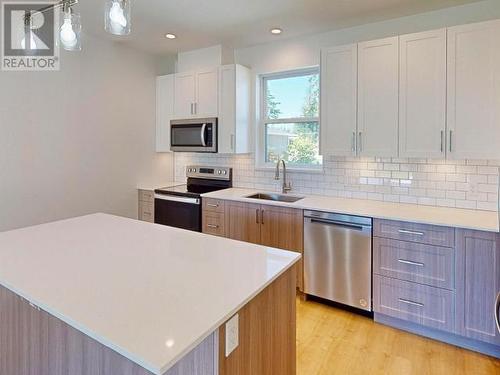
194 135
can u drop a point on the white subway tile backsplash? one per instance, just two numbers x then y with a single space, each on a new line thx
471 184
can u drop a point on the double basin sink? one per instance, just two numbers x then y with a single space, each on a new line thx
275 197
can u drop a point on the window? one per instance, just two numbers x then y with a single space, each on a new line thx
290 119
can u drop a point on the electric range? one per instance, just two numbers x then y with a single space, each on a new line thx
180 206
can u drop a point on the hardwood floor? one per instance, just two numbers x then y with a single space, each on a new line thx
332 341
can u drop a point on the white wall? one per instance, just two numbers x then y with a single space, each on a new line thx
80 140
294 53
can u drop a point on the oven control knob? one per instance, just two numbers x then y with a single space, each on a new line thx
219 172
224 172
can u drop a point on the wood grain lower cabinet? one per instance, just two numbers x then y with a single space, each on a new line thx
283 228
147 206
272 226
243 222
478 284
267 333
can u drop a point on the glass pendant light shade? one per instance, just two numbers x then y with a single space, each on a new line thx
117 17
70 31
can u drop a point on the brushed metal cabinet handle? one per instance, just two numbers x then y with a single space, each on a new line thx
404 231
353 142
412 303
411 263
257 216
212 226
192 111
451 140
442 141
212 205
360 142
497 312
262 216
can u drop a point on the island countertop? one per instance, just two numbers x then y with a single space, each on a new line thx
151 293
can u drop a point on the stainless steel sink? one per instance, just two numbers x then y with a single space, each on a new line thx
276 197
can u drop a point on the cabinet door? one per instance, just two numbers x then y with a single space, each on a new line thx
478 284
185 94
422 95
227 109
242 221
474 91
283 228
339 80
378 88
207 93
234 109
164 111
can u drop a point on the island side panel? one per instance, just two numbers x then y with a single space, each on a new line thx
267 332
33 342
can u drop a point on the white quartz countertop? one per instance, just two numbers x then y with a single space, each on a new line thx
157 185
450 217
152 293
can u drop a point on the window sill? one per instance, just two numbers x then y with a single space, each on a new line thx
319 170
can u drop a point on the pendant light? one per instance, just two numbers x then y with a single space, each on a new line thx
70 30
117 17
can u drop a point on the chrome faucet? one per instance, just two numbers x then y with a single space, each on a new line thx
287 186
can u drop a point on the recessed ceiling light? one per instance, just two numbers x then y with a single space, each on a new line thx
276 31
170 36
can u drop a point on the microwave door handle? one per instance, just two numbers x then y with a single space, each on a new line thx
203 142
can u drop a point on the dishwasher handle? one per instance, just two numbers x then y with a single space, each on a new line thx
338 224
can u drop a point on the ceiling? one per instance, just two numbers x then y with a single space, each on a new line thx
241 23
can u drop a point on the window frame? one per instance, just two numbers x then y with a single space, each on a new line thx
263 120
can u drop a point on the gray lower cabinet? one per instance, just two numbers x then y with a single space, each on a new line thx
439 282
478 287
422 304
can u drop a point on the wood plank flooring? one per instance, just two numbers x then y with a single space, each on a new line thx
332 341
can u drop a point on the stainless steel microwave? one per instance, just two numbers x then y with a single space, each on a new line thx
194 135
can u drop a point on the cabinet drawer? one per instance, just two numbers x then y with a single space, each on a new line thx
421 233
146 196
213 205
424 264
425 305
146 211
213 223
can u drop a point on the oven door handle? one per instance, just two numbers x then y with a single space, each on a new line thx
174 198
203 141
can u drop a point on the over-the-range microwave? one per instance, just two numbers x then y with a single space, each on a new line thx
194 135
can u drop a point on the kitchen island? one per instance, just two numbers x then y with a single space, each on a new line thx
107 295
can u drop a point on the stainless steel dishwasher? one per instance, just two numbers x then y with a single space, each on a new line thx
338 258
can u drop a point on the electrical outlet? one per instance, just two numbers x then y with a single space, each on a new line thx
232 334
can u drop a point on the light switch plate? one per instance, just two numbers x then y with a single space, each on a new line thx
232 334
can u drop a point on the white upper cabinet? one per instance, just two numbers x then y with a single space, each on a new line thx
422 95
474 91
207 93
185 95
378 87
234 109
196 94
339 80
164 111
